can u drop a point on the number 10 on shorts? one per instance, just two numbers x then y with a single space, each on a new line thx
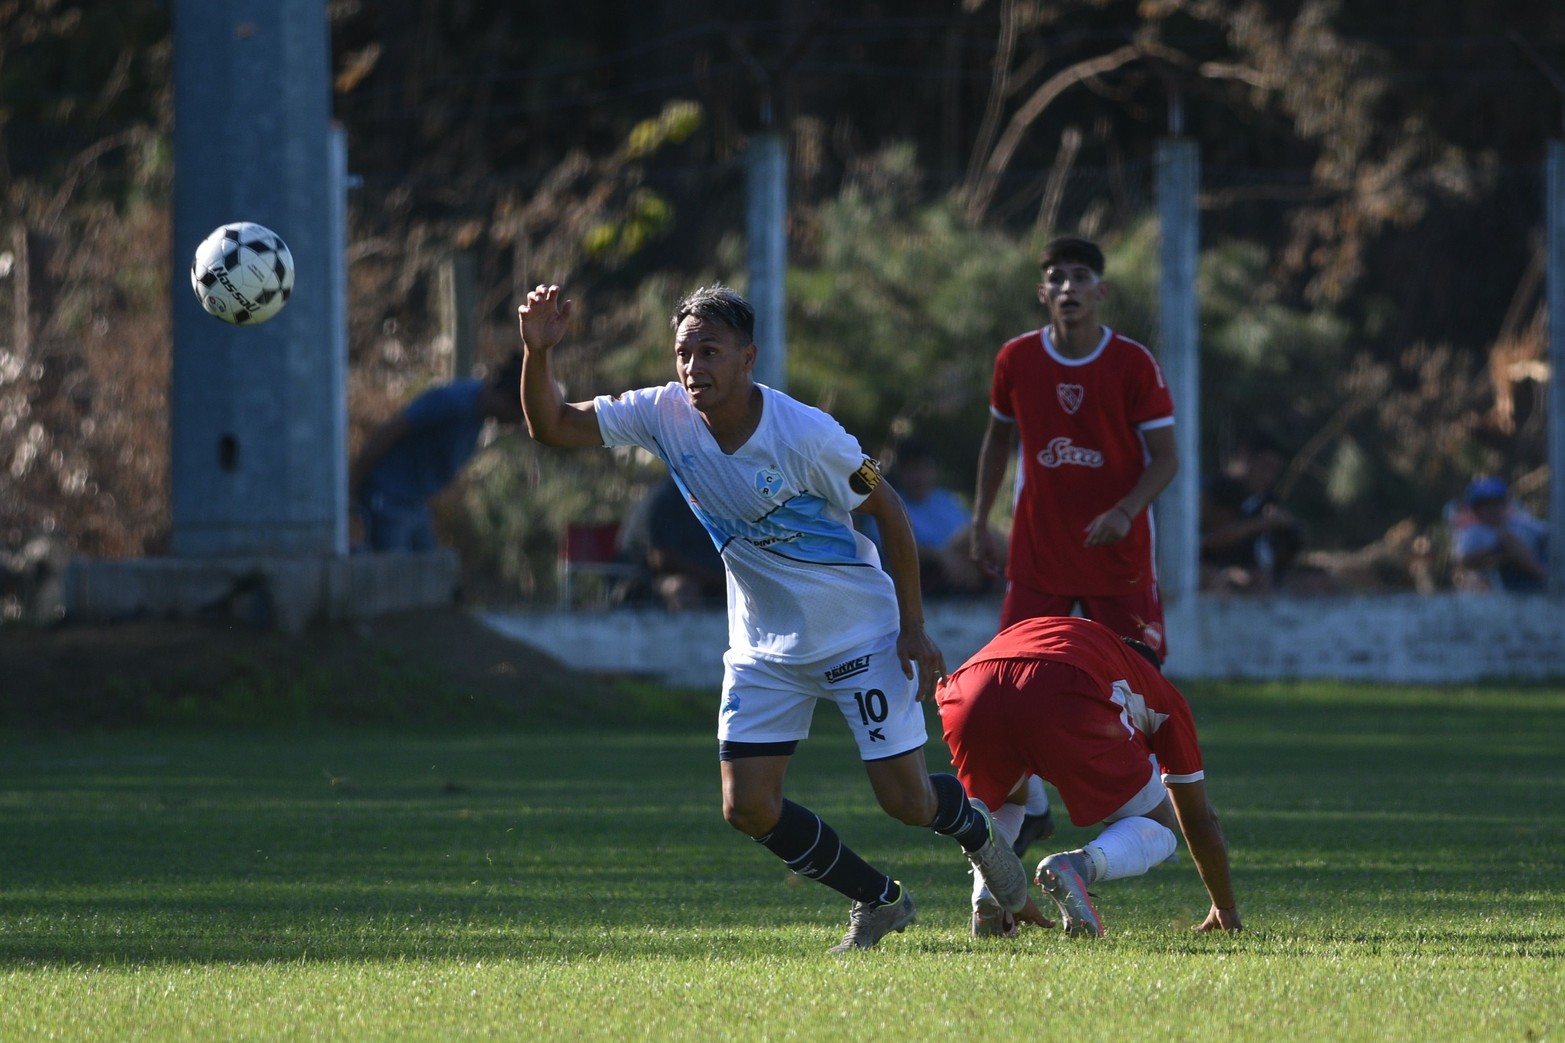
872 706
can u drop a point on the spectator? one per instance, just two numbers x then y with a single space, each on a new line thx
420 451
1249 540
663 535
941 524
1496 544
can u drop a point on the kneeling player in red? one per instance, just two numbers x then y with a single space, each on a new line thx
1071 701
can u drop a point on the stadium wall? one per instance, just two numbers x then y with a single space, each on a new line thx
1383 638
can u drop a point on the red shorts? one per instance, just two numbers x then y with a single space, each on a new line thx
1138 614
1007 718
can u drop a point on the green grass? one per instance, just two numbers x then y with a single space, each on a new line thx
1399 854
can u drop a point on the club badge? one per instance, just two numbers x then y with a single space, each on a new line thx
768 481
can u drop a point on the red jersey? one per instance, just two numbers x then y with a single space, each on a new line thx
1080 422
1064 698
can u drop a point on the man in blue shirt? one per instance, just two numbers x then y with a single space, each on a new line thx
1497 540
420 451
941 524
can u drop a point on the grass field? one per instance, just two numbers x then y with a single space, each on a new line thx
1400 855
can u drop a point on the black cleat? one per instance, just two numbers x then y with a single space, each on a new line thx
1034 828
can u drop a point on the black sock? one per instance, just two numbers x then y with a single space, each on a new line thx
955 817
812 848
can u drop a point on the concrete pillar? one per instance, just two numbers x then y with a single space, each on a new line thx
259 414
1554 218
766 216
1179 508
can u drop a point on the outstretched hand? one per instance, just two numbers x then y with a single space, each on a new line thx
544 318
1030 913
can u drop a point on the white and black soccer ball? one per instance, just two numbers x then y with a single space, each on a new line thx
242 273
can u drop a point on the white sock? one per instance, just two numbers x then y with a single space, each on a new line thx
1008 822
1037 796
1129 847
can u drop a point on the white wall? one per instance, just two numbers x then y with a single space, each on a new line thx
1393 638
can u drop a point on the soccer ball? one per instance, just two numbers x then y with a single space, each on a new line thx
242 273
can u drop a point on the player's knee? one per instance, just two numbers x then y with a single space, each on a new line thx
1130 847
912 807
753 818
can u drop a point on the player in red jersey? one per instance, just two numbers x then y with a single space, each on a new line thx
1069 700
1095 423
1096 427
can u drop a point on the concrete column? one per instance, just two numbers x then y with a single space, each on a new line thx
1179 508
259 414
1554 218
766 216
335 424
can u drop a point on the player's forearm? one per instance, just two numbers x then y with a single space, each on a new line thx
899 553
1204 837
901 564
542 402
1209 851
1159 472
992 459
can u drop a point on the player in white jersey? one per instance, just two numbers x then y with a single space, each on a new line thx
811 614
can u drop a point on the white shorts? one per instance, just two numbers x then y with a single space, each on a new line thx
1149 797
767 701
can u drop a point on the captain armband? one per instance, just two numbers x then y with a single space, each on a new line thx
864 480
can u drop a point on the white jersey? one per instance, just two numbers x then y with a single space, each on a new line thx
803 584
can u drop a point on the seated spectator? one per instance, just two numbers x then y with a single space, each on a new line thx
1495 544
661 533
940 522
419 451
1249 540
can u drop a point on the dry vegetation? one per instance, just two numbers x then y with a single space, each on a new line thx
1345 200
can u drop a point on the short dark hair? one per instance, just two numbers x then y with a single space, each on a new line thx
914 448
1257 442
508 376
1145 651
720 303
1072 250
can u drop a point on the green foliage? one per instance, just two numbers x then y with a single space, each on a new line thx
570 885
1335 163
895 319
647 217
676 123
895 313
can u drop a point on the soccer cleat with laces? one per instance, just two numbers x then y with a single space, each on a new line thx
1001 870
989 920
1062 881
868 924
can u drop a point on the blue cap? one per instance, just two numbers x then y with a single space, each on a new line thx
1486 490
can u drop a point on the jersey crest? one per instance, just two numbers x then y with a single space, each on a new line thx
1070 396
767 481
